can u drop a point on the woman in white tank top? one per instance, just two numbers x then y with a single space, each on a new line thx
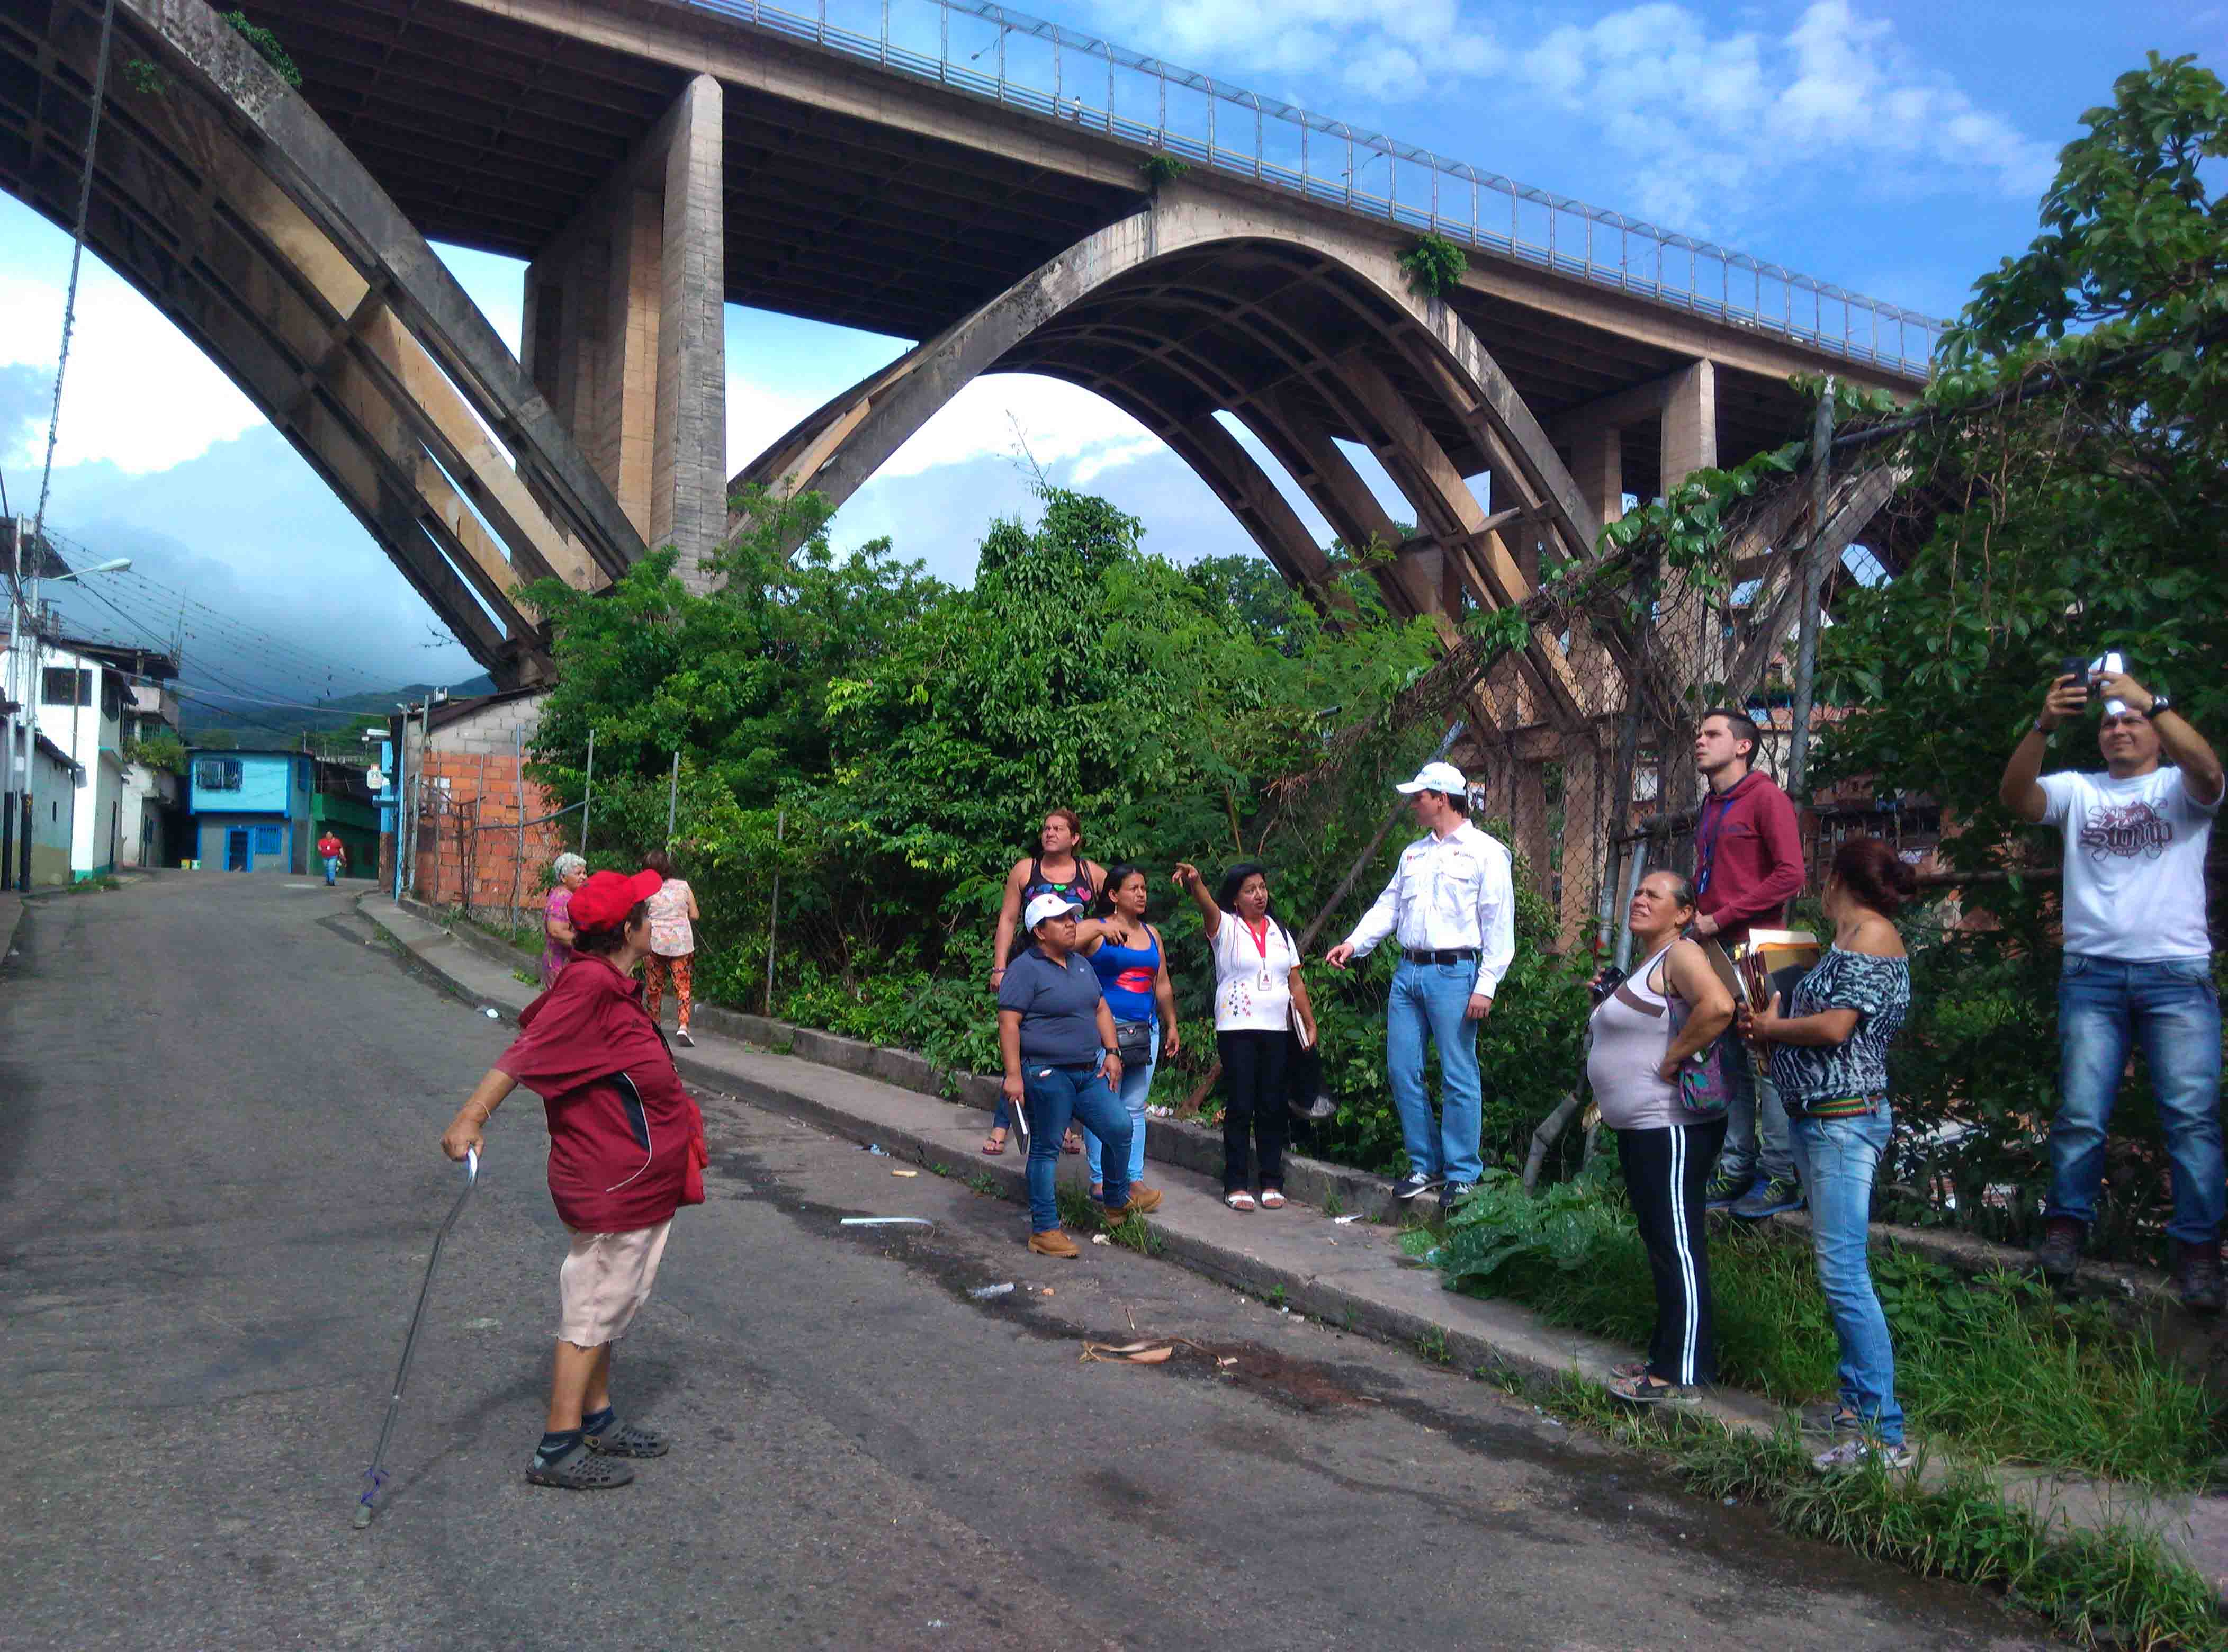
1653 1037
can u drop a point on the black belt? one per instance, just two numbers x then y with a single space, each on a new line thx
1452 955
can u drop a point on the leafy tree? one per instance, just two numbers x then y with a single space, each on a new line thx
2071 452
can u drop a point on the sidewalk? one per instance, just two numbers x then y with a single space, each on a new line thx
1351 1274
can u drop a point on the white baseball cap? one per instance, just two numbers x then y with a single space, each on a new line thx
1437 777
1049 906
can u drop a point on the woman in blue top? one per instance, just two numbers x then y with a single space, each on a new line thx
1133 972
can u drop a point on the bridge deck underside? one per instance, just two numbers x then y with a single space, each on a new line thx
492 132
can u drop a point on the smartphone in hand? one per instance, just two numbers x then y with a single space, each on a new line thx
2076 668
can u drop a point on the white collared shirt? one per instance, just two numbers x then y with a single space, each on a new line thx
1450 893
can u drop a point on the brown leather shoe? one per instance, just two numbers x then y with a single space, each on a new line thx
1053 1242
1141 1200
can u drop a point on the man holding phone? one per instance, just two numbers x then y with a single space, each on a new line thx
2138 957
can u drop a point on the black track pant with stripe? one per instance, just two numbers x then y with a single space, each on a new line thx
1666 1171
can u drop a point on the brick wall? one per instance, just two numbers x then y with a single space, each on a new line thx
470 851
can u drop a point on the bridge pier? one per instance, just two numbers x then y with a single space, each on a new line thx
625 331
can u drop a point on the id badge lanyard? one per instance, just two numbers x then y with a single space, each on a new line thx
1261 945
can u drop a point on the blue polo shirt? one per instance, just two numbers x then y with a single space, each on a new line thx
1059 1006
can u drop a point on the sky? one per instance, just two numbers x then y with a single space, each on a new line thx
1895 149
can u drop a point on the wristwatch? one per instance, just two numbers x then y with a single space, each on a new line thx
2159 703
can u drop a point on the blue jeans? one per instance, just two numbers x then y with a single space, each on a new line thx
1137 1084
1837 1159
1755 1120
2168 1004
1053 1095
332 869
1429 999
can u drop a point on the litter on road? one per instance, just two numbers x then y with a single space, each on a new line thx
1346 1220
983 1293
905 1173
1147 1353
887 1221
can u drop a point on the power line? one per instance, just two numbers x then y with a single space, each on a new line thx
77 257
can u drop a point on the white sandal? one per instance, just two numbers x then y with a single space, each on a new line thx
1271 1198
1239 1200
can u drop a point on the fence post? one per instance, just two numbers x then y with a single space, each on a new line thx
1811 576
672 798
588 794
773 908
518 814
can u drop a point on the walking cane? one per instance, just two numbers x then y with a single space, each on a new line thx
375 1476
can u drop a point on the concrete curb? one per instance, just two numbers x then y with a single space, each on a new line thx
1363 1284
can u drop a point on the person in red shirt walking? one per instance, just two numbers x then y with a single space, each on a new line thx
1748 864
333 853
626 1150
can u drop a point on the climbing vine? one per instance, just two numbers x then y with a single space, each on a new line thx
143 77
1434 266
1162 168
266 47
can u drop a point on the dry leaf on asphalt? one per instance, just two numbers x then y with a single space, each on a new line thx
905 1173
1146 1352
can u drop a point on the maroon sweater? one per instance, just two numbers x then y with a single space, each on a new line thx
623 1133
1748 856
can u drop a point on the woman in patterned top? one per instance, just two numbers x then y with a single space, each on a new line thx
673 917
1829 1059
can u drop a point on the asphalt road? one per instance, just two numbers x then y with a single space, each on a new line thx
218 1105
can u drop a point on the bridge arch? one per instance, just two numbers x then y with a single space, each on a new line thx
1307 336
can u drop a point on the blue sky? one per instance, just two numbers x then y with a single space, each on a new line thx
1894 149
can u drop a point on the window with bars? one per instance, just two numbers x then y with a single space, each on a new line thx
61 686
217 774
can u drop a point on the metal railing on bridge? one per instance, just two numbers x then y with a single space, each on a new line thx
1024 62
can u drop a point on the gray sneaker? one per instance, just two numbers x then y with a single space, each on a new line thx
1769 1198
1723 1190
1413 1187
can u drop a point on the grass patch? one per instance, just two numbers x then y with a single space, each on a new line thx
104 883
1080 1215
2118 1586
1995 1367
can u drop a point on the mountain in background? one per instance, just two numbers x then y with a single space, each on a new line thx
285 725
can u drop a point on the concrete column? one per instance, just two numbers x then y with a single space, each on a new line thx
689 496
1597 466
1690 423
625 332
1528 825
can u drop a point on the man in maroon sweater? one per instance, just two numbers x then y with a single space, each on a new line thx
1748 864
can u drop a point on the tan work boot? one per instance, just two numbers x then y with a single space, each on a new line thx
1053 1242
1141 1200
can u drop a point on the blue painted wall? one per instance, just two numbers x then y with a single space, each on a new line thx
267 783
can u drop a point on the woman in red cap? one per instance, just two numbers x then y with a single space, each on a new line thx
626 1149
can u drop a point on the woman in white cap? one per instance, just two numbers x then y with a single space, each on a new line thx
1062 1061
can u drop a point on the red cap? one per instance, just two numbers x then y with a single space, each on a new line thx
607 896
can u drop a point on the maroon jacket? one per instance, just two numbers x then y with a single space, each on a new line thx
1748 856
624 1136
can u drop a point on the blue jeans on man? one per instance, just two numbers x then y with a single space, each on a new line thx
1428 1000
1838 1159
1053 1095
2170 1008
1137 1084
1755 1120
332 869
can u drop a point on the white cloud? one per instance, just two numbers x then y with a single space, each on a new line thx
1708 113
137 394
1713 117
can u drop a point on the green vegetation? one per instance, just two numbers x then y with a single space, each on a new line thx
1434 266
266 47
1994 1367
2113 1586
145 77
164 752
1162 168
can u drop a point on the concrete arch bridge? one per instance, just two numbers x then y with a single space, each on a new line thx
653 161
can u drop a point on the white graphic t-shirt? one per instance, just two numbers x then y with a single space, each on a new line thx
2135 863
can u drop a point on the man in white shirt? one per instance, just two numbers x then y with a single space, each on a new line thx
1453 905
2138 961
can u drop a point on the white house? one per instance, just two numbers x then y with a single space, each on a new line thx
154 799
79 690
